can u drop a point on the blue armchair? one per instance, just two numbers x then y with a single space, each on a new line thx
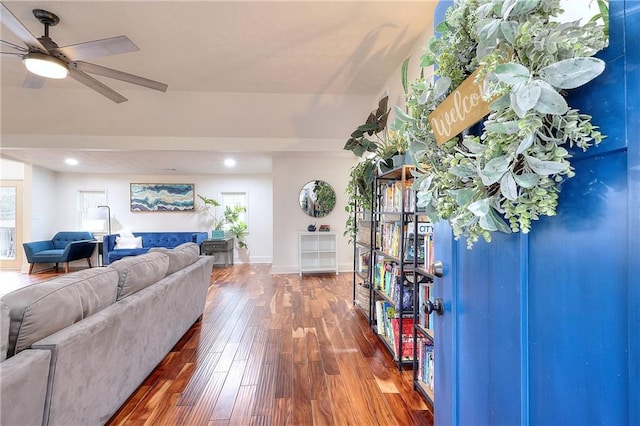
64 247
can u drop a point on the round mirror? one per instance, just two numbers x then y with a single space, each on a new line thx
317 198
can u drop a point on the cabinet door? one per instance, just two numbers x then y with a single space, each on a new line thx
544 328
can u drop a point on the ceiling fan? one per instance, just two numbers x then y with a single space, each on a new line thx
45 59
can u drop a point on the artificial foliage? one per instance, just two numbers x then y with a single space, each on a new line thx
508 171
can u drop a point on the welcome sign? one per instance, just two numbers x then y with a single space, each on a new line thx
463 108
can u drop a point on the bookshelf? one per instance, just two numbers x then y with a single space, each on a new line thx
392 313
425 309
362 255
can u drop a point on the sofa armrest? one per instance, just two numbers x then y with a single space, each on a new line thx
199 237
23 386
78 250
33 247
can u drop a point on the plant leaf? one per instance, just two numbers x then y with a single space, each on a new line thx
463 196
403 116
504 128
524 6
442 27
550 101
465 171
544 167
495 222
494 170
573 72
474 146
487 29
501 103
509 30
525 143
508 187
512 73
403 75
527 95
527 180
480 208
441 86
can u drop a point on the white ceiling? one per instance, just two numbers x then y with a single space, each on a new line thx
249 79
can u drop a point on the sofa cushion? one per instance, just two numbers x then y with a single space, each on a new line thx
138 272
4 330
183 255
39 310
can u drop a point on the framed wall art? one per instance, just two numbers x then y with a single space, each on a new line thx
162 197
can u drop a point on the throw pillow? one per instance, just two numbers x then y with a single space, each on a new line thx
128 243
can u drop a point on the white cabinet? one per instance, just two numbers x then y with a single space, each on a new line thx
317 252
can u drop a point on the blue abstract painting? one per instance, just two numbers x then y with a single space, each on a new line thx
162 197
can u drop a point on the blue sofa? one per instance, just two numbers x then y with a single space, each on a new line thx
149 239
64 247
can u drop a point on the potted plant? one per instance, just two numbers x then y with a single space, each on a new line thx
230 217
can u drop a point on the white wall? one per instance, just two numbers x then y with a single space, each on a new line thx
11 170
45 205
258 187
290 174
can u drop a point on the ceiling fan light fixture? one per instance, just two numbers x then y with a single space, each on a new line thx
45 65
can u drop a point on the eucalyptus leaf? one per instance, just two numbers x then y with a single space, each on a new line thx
494 169
527 180
527 95
508 187
544 167
525 143
550 101
480 208
573 72
512 73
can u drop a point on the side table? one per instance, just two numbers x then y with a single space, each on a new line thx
215 247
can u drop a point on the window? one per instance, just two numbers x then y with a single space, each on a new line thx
90 217
233 199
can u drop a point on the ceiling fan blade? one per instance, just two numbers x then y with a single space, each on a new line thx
19 30
97 48
33 81
96 85
14 46
118 75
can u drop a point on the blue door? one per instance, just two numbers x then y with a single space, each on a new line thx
545 328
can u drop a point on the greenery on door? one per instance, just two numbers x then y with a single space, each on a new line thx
511 173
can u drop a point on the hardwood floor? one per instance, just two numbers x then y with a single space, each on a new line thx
277 350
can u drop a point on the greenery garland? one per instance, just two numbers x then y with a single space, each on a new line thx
510 174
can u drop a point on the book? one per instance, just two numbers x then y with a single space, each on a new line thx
406 336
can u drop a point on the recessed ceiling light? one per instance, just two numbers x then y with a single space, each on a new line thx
71 161
229 162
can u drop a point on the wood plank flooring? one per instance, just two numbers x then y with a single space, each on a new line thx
277 350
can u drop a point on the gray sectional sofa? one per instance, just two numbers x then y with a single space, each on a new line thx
76 347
